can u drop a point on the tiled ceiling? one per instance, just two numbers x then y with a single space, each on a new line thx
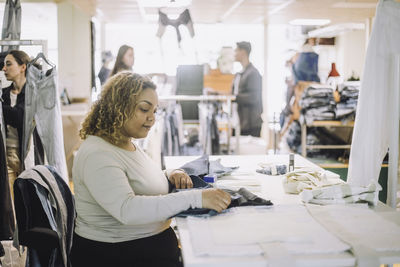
233 11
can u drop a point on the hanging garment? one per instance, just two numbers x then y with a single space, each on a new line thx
374 118
2 124
7 223
183 19
11 23
42 108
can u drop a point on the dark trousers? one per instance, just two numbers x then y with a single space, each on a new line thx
158 250
253 132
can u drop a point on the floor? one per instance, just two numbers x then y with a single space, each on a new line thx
12 257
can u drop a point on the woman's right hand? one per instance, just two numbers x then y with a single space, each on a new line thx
215 199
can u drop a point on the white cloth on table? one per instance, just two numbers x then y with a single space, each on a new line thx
342 194
239 231
308 178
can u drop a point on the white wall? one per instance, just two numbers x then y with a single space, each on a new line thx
350 53
74 51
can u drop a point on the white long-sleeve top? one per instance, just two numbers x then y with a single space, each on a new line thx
122 195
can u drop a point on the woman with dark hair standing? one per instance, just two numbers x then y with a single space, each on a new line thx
15 65
125 59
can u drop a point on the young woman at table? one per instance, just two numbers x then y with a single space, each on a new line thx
122 201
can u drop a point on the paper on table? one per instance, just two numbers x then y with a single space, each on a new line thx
355 224
247 226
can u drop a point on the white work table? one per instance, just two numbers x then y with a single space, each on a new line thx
270 188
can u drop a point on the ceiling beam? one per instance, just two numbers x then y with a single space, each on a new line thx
231 9
141 10
280 7
274 11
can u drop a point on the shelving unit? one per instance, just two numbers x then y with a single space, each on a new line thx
304 126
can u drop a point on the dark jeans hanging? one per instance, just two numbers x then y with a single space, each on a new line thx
7 222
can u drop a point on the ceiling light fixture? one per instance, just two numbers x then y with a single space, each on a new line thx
354 5
335 30
164 3
309 22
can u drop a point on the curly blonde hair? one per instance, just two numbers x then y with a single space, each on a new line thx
116 105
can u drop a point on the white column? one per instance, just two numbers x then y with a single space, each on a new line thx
102 36
74 60
265 127
394 139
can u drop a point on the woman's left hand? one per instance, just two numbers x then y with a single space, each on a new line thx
180 179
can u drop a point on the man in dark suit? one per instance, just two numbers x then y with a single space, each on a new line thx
247 87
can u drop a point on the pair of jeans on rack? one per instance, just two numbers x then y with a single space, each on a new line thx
11 29
172 133
209 133
42 109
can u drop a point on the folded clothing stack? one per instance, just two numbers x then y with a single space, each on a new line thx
317 103
309 178
342 194
346 108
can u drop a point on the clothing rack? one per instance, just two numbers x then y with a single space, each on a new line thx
393 171
205 98
42 43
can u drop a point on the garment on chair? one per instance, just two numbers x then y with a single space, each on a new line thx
45 213
42 109
183 19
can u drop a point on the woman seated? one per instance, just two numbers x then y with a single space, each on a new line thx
122 201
